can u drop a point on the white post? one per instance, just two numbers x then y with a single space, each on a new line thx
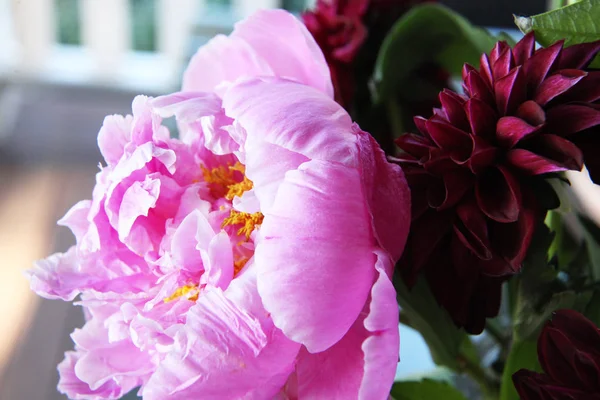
244 8
106 34
35 31
8 40
175 21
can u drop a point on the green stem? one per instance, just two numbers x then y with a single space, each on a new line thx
394 112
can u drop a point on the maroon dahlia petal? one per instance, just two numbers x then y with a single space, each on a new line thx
587 90
531 112
556 353
510 91
540 64
415 145
532 163
557 84
477 88
582 332
558 149
471 229
483 155
523 50
485 69
579 55
449 137
511 130
572 118
529 385
498 195
503 64
452 104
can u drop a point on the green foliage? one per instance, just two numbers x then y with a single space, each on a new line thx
425 389
427 33
449 345
576 23
523 354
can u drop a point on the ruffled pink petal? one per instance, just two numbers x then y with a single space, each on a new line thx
293 116
315 254
362 365
287 46
56 277
74 388
76 219
187 106
218 261
224 338
113 136
101 361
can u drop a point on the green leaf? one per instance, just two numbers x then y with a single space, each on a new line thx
565 246
591 235
427 33
592 310
425 389
576 23
420 309
522 355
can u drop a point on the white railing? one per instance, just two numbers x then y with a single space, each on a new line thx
29 48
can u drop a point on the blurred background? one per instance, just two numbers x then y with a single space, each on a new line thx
64 65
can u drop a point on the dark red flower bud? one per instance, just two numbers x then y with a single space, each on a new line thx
525 113
569 353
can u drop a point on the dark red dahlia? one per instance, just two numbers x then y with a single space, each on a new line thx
525 113
569 353
342 27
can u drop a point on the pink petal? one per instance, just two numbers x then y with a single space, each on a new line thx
287 46
269 43
187 106
69 384
76 219
315 254
388 195
222 60
266 166
113 136
362 365
293 116
221 339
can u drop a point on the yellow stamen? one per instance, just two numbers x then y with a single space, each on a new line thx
246 220
225 182
190 292
238 265
237 189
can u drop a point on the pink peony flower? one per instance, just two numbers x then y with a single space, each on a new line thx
251 258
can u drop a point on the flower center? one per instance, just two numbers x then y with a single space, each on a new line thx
189 291
226 181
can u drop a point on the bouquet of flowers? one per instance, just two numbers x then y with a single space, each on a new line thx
371 163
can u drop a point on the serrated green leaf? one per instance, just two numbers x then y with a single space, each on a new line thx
576 23
425 389
523 354
427 33
419 307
